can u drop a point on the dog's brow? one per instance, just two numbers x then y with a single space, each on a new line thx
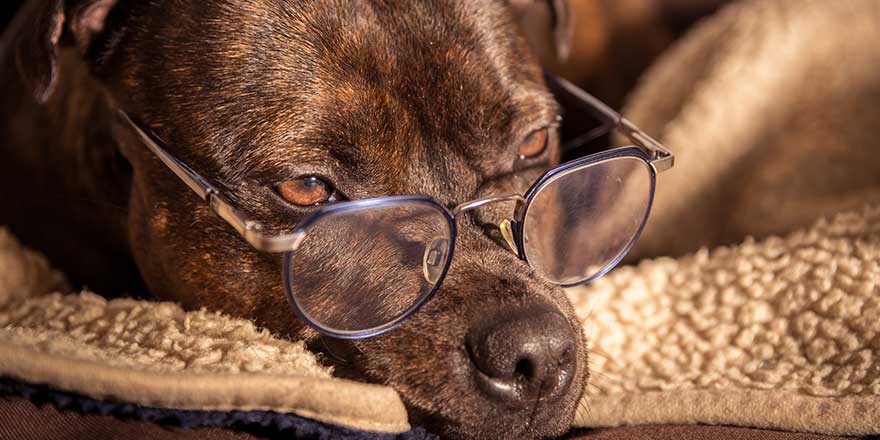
346 155
541 105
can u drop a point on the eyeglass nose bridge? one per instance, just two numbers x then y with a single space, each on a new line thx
506 225
483 201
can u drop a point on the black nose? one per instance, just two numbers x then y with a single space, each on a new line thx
523 354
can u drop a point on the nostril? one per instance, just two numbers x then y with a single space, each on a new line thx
525 368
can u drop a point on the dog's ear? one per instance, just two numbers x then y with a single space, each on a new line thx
48 24
548 25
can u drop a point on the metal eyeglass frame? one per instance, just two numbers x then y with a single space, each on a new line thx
645 148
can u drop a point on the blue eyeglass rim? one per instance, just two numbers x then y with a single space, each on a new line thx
615 153
518 227
357 205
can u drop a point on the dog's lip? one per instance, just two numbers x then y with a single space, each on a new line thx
508 391
515 421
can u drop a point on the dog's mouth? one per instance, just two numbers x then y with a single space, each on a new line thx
517 372
523 385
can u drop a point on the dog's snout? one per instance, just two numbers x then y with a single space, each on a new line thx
523 355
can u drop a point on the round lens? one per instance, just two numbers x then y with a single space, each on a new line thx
364 268
582 221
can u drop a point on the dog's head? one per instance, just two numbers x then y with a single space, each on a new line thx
285 104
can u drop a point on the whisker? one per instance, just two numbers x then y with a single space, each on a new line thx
580 411
590 313
605 355
596 386
600 354
604 376
584 411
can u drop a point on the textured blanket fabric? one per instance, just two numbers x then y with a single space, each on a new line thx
782 333
771 107
157 355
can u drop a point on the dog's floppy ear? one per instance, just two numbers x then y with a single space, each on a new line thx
48 24
548 25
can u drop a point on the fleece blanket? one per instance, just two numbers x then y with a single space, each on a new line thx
780 332
157 355
771 107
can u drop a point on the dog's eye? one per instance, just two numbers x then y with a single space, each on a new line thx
533 145
306 191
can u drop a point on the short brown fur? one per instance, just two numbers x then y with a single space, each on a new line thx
383 97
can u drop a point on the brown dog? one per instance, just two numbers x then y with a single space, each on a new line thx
371 98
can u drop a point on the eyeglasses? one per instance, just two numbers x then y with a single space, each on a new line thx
359 268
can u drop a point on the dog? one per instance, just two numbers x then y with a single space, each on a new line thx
286 105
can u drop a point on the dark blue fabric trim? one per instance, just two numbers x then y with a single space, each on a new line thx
262 422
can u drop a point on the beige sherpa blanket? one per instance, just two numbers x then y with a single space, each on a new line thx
780 332
783 333
157 355
772 108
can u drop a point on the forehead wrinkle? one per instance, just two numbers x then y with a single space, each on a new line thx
488 100
538 107
381 46
276 137
286 58
361 126
450 179
493 39
385 140
245 69
475 125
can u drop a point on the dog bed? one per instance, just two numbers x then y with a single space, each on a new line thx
781 332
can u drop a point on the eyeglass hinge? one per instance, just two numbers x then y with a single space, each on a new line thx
662 162
661 158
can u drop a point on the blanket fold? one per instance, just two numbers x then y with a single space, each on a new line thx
156 355
780 333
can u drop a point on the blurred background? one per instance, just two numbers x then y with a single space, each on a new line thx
770 106
614 40
7 10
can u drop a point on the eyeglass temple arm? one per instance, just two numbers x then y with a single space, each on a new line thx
248 229
661 158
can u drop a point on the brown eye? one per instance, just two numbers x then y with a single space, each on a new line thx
533 145
306 191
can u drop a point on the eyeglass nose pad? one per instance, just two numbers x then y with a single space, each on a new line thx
434 259
506 228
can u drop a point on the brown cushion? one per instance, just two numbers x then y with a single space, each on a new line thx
22 420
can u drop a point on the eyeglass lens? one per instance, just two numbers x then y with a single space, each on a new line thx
361 269
583 220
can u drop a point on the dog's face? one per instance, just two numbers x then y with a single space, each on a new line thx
284 104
